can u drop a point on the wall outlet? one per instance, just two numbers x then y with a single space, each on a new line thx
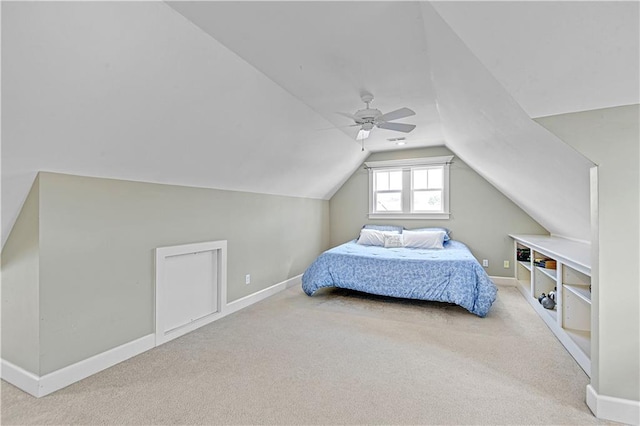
485 263
506 264
247 279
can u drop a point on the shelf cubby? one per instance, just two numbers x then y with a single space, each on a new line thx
570 320
525 265
582 291
573 276
576 311
551 273
523 270
543 281
582 338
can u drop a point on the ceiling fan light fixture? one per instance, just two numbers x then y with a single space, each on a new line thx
363 134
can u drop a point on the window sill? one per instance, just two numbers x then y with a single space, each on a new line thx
419 216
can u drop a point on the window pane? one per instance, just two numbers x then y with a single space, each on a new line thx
435 178
395 180
389 202
382 181
427 201
420 179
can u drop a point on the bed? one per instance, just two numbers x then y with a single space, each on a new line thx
450 274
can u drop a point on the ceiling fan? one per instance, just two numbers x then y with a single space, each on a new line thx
369 118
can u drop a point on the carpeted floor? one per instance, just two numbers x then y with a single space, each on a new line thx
336 358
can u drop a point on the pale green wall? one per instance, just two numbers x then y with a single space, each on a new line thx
481 217
611 139
97 238
20 258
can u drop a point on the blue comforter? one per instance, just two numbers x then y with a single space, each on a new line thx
449 275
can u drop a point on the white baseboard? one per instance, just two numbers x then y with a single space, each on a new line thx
294 281
87 367
20 378
505 281
243 302
615 409
43 385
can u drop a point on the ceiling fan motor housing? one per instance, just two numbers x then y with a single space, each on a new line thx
368 115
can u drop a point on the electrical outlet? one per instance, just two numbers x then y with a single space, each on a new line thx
247 279
506 264
485 263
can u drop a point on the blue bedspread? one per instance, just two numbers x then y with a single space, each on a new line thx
450 275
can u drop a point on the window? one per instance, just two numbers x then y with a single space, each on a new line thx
409 189
388 193
426 189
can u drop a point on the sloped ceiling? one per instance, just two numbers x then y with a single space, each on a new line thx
327 53
484 125
554 57
243 95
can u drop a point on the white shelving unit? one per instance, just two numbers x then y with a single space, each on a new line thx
570 320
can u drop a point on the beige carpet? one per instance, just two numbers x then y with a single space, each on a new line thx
338 357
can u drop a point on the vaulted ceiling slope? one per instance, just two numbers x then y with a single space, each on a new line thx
327 53
554 57
243 95
132 90
484 125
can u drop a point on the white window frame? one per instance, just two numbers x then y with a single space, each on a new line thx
407 193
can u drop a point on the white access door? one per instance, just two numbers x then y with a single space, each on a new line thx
189 283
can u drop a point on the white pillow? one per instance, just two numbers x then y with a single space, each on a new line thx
373 237
393 240
424 239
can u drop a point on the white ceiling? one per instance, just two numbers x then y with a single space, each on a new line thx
485 127
555 57
243 95
327 53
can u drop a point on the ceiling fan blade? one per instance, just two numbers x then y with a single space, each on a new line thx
339 127
395 115
399 127
346 114
362 134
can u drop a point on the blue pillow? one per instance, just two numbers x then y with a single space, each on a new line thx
392 228
446 235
